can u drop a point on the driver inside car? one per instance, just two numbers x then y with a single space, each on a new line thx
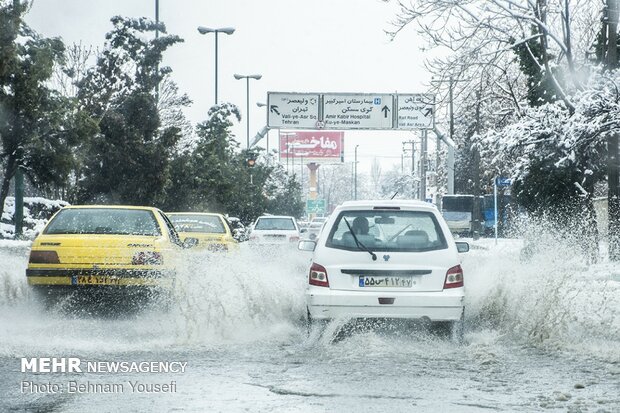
360 228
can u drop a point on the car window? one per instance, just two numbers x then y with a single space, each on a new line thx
174 236
404 231
104 221
275 224
210 224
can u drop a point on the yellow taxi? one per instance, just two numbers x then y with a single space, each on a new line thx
104 246
212 230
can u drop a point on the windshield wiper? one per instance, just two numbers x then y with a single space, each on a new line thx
359 244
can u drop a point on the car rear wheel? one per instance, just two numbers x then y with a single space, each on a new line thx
451 330
315 325
458 329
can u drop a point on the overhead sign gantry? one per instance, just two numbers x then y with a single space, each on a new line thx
350 111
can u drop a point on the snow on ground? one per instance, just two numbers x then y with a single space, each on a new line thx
37 212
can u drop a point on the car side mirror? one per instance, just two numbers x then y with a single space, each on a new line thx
301 231
306 245
462 246
190 242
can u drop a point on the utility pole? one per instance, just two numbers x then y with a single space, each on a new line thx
423 156
476 175
412 143
450 160
450 169
613 168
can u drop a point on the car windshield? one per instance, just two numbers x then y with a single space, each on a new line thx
210 224
395 231
277 224
104 221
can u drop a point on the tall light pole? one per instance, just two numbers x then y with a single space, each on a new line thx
247 111
156 19
355 175
205 30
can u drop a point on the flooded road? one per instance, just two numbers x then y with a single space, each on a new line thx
542 335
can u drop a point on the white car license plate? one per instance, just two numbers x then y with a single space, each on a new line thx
394 282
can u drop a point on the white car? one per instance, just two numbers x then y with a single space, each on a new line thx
386 259
275 229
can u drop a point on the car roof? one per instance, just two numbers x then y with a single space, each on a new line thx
213 214
392 203
111 207
275 216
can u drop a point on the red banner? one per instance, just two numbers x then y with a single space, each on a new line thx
312 145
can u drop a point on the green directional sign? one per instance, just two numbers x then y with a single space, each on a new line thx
316 206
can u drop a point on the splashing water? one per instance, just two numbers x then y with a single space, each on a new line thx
237 297
551 299
546 297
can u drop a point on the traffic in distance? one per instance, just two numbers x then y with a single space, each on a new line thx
369 259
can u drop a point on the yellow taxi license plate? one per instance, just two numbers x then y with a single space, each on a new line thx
97 280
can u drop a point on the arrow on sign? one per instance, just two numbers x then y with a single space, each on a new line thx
428 112
274 109
385 111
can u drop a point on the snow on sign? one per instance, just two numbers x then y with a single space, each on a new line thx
416 111
358 111
292 110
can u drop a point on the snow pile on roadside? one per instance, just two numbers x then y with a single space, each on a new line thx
37 211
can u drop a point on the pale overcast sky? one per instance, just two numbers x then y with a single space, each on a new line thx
300 46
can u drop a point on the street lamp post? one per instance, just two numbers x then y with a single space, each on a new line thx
205 30
247 113
156 19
